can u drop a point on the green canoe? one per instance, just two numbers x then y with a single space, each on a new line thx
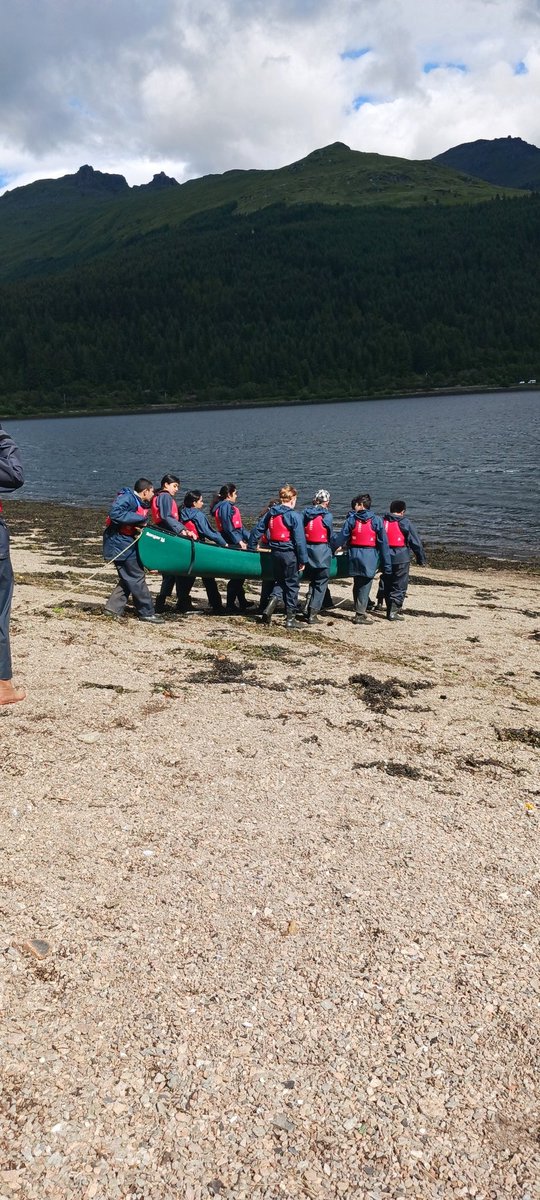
171 555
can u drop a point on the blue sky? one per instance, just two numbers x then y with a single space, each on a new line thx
135 88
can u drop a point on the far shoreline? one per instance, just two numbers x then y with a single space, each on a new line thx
271 402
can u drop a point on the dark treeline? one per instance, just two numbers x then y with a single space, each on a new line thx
287 303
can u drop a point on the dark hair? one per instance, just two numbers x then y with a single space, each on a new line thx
190 498
169 479
142 484
398 506
224 493
363 498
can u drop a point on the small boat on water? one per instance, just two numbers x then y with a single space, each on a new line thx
171 555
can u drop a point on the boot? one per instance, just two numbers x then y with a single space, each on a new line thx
153 619
394 613
10 694
313 619
291 622
361 619
266 616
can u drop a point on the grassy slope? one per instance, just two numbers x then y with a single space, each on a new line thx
61 227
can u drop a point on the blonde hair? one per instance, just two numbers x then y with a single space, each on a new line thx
287 492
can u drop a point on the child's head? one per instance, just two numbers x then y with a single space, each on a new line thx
193 500
170 483
229 491
398 506
322 497
362 501
144 489
287 495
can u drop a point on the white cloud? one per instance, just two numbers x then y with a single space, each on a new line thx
189 88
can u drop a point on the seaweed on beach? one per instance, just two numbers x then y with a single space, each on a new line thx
402 770
529 737
381 695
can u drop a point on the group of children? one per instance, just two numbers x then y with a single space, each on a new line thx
302 545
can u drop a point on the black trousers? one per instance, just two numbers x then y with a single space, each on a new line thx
235 592
396 584
286 580
131 582
184 584
6 596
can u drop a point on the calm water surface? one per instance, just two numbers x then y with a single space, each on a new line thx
466 465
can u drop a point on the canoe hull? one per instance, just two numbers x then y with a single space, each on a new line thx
171 555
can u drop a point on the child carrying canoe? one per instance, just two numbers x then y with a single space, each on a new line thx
364 536
318 529
194 520
228 519
284 531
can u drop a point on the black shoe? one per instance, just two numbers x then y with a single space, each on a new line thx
113 616
361 619
247 604
313 619
230 610
270 608
394 613
291 623
160 606
370 606
155 619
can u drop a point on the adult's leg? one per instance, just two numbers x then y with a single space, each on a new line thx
6 596
8 693
133 581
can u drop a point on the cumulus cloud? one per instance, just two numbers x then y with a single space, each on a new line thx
192 88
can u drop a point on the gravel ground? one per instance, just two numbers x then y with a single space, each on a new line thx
268 920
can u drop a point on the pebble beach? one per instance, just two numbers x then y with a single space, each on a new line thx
269 899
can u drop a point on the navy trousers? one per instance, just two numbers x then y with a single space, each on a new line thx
318 587
361 590
6 596
183 588
396 584
131 582
286 580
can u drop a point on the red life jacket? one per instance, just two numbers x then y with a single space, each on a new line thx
264 541
363 534
236 519
394 533
1 507
128 530
277 529
192 528
155 513
316 531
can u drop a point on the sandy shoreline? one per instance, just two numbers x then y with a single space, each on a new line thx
292 917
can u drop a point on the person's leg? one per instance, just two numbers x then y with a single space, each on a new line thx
328 602
277 592
6 596
266 591
166 590
291 583
8 693
318 590
132 578
361 590
116 604
213 593
397 590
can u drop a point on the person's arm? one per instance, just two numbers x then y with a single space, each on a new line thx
382 545
11 471
123 511
328 520
299 538
165 511
339 539
205 529
235 535
414 542
258 531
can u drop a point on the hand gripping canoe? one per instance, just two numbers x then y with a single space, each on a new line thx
172 555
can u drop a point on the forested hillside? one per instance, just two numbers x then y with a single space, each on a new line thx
287 302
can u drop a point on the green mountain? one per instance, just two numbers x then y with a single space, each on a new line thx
51 225
505 162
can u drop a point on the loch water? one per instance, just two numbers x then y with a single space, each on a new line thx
467 465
